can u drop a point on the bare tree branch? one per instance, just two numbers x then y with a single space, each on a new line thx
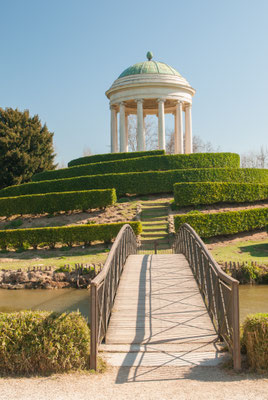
87 151
255 159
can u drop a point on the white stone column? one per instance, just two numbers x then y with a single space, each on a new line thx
188 129
114 139
144 133
161 125
178 131
140 128
122 128
126 131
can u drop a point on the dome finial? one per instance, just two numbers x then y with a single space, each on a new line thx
149 55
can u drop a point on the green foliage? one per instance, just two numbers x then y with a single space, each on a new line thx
250 273
26 147
112 156
255 339
194 193
147 163
42 342
223 223
140 182
16 223
53 202
17 238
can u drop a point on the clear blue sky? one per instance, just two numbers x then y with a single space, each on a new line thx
58 57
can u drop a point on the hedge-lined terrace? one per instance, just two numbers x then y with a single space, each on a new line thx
140 182
223 223
112 156
196 193
33 237
148 163
55 202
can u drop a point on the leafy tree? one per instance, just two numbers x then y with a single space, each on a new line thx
26 147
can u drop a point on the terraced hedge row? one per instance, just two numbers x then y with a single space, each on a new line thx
148 163
54 202
193 193
33 237
140 182
42 342
113 156
223 223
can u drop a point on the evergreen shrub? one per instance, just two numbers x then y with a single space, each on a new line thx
112 156
26 147
224 223
18 238
53 202
255 339
41 342
193 193
140 182
148 163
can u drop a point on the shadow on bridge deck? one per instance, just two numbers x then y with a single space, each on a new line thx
159 320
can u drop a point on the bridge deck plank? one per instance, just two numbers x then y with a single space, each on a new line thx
158 302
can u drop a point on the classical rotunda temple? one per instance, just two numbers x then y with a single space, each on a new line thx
151 87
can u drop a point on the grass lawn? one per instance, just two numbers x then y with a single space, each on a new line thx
242 251
56 258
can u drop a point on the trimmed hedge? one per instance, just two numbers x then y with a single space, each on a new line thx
42 342
223 223
112 156
255 339
140 182
53 202
18 238
193 193
148 163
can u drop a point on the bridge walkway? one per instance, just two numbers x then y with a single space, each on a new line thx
159 317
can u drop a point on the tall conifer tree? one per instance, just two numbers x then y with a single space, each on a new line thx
26 147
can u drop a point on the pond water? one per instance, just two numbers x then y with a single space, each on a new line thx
253 299
60 300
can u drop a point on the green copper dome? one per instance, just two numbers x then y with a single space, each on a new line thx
149 67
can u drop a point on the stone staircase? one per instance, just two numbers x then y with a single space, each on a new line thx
154 218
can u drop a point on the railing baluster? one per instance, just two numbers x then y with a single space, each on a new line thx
220 291
104 286
236 330
93 327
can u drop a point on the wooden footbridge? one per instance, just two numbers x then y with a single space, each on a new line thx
168 309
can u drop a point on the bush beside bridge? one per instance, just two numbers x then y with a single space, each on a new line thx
112 156
148 163
223 223
54 202
42 342
33 237
194 193
255 340
140 182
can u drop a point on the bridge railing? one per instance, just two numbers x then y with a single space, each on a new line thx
104 286
220 291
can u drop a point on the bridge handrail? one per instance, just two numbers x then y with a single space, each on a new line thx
104 286
220 291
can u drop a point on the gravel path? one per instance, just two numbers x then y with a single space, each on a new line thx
165 383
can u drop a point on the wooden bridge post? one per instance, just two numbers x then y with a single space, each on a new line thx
236 326
93 327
